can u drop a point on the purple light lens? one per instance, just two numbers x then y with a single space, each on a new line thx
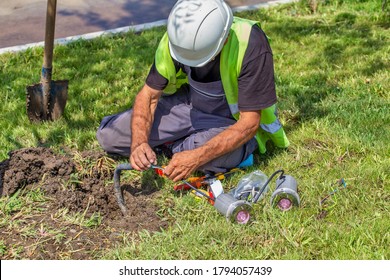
284 204
243 217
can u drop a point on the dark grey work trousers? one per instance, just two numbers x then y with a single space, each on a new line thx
176 121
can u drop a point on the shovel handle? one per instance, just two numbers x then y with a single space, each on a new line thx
46 72
49 33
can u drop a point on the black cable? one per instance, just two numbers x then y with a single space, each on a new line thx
117 186
198 191
257 196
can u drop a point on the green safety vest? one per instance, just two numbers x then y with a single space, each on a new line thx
232 56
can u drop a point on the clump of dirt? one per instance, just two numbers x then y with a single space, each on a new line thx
28 166
76 184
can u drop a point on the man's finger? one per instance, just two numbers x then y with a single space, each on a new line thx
168 170
142 161
177 175
151 156
178 178
134 165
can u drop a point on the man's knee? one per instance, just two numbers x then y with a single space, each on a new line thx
103 137
114 133
111 144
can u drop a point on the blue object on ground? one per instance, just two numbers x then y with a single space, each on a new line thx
247 162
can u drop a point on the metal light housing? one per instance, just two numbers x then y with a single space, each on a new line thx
235 211
286 195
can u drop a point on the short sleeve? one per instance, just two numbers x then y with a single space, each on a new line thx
256 82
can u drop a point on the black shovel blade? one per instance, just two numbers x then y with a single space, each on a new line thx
34 101
36 111
58 98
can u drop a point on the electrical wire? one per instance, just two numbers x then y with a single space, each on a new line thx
187 183
260 192
340 182
198 191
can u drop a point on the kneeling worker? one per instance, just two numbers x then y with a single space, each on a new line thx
209 96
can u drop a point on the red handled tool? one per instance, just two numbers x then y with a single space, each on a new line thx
203 181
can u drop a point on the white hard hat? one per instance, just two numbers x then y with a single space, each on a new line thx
197 30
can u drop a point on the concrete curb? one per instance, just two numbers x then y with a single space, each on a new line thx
134 28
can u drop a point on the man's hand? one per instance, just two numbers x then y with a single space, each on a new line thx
142 157
182 165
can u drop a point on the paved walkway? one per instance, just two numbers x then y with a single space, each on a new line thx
23 21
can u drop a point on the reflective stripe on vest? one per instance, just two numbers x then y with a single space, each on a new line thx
234 109
271 127
269 120
232 56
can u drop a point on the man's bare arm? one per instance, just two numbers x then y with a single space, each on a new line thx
145 105
186 162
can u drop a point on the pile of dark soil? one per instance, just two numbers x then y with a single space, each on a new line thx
76 184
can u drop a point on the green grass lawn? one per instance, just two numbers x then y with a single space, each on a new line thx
332 75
